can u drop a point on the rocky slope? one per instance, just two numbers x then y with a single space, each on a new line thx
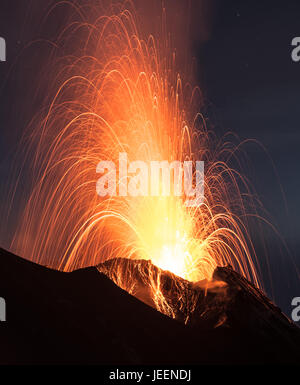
84 318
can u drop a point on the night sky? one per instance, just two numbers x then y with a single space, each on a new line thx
252 87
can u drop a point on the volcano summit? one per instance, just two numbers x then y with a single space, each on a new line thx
83 318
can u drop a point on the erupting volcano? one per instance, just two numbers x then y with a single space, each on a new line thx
117 92
117 96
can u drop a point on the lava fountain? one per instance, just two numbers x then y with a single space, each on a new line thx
116 92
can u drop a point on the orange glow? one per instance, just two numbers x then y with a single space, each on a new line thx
121 93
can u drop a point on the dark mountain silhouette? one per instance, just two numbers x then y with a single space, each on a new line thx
227 301
84 318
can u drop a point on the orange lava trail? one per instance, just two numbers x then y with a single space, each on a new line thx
121 93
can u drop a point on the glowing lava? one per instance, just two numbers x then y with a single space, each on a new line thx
120 93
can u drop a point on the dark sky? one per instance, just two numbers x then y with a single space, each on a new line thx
252 87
